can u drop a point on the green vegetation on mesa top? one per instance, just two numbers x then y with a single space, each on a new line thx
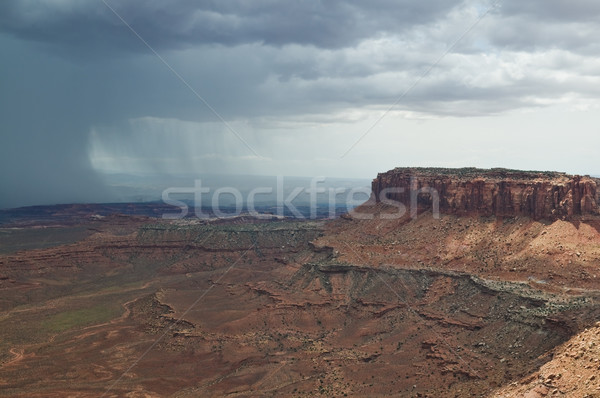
15 239
81 317
471 172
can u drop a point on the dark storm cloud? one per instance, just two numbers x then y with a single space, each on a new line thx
176 24
44 119
71 67
284 57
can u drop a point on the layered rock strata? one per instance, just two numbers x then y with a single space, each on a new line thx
487 192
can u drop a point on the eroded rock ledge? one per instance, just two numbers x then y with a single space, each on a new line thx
500 192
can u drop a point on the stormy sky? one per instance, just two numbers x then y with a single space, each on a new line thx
331 88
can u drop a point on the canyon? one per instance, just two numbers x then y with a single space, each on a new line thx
496 295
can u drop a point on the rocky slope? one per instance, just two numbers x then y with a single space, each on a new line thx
498 192
573 372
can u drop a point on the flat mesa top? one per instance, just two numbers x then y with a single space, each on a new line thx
473 172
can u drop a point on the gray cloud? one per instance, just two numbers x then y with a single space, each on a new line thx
544 24
73 77
552 10
330 24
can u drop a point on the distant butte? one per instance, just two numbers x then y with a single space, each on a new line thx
487 192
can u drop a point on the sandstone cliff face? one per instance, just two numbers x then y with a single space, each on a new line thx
499 192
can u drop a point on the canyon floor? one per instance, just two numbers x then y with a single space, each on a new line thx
364 305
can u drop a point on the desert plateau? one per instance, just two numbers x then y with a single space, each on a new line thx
495 296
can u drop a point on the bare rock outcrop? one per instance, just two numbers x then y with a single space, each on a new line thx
499 192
